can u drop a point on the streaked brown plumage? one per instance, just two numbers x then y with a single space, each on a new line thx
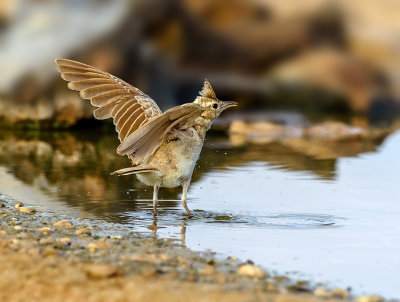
163 147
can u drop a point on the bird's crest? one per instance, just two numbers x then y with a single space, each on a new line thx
208 91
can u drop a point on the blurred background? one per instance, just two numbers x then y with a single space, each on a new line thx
301 62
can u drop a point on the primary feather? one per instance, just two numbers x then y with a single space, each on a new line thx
128 106
140 124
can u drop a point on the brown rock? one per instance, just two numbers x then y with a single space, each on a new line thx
340 293
64 240
18 205
251 270
100 271
26 210
63 224
45 230
98 244
83 232
49 251
335 131
371 298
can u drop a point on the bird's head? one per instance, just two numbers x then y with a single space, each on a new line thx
208 100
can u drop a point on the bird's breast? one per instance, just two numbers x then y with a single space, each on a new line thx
176 158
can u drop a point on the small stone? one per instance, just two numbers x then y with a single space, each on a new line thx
45 241
63 224
18 228
371 298
116 237
45 230
100 271
49 251
26 210
322 293
18 205
98 244
251 271
340 293
64 240
83 232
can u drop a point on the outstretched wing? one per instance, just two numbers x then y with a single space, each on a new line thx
146 140
129 107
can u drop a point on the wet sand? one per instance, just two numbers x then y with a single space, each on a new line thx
44 257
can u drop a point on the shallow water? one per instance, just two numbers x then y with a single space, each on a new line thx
331 218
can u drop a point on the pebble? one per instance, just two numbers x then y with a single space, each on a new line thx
64 240
18 205
63 223
18 228
26 210
45 241
340 293
322 293
100 271
45 230
98 244
83 232
49 251
251 271
371 298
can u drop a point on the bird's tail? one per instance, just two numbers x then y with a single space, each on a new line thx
132 170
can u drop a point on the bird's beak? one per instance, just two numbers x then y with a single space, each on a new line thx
227 105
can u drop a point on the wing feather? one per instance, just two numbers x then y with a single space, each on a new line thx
143 142
111 95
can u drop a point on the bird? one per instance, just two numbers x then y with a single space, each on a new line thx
163 146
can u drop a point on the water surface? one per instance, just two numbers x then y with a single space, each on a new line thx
330 217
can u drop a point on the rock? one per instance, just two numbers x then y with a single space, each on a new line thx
370 298
18 205
100 271
18 228
49 251
83 232
335 131
340 293
64 240
63 224
98 244
251 271
45 230
322 293
26 210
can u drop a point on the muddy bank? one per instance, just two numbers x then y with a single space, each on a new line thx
45 257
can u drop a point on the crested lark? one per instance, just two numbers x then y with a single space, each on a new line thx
163 147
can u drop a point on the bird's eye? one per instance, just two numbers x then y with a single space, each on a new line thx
215 105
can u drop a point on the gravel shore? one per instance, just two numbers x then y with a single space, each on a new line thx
44 257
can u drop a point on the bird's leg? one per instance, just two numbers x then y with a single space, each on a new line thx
185 187
155 199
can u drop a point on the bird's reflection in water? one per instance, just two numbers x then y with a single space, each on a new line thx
154 228
74 168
